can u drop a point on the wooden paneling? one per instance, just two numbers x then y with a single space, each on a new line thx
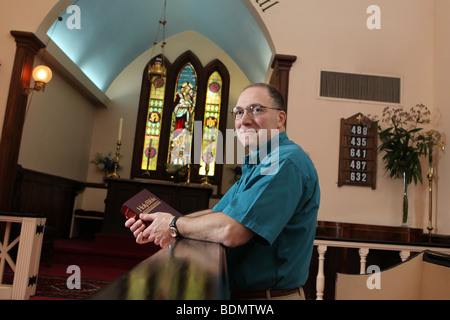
365 232
48 195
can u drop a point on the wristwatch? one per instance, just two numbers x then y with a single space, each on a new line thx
173 228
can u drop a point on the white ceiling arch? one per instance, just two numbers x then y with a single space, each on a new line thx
114 33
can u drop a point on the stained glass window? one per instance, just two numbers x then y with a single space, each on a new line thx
182 125
168 108
211 124
153 127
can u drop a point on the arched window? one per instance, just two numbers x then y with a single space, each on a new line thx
153 126
171 112
182 125
210 139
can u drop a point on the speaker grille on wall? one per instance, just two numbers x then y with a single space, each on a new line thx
360 87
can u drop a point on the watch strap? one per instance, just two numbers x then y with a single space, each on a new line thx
173 223
173 226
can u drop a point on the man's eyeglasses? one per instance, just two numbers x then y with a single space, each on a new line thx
254 111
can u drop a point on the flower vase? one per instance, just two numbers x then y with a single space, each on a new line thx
405 201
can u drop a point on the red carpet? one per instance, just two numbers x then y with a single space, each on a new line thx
101 260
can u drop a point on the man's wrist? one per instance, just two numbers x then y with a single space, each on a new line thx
173 229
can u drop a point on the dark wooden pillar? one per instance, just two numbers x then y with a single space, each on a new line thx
281 66
27 46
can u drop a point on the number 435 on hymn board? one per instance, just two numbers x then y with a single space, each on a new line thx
358 152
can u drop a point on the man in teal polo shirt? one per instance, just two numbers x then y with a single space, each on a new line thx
267 220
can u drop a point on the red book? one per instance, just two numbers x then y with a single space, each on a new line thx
145 202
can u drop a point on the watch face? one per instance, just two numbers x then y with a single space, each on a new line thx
173 232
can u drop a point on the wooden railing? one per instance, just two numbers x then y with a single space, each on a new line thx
364 249
26 265
186 270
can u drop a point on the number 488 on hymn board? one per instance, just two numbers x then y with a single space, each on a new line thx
357 152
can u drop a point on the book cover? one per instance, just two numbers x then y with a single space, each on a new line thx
145 202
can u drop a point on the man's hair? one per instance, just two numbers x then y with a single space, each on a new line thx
274 93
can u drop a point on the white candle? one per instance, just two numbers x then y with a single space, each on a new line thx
120 129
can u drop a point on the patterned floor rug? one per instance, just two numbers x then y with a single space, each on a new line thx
57 287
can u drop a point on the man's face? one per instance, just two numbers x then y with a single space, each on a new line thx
249 129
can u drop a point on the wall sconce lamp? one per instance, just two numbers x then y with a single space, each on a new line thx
41 75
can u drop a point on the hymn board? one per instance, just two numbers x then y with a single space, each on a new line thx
358 152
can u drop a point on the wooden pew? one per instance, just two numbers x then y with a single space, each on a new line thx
424 277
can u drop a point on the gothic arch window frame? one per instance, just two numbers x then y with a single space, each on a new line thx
203 74
212 67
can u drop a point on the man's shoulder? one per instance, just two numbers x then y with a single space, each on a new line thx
292 150
295 154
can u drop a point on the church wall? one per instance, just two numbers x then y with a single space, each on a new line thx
333 35
57 131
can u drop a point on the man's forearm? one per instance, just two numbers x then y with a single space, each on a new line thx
199 213
214 227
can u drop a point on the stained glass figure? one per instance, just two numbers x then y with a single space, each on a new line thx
183 117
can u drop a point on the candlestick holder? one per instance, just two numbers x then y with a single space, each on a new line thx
205 180
430 200
188 180
114 174
147 172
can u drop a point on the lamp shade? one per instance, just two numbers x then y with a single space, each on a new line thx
42 74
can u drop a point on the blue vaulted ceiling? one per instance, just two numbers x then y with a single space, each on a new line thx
115 32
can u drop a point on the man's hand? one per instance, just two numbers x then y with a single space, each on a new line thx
203 225
137 227
157 232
